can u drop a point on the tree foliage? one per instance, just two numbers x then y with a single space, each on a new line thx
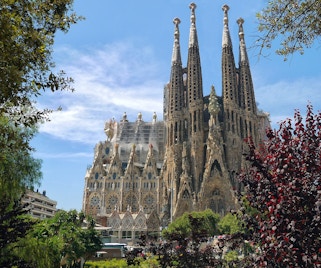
183 225
18 168
229 224
297 24
189 242
60 241
27 31
14 224
283 184
186 241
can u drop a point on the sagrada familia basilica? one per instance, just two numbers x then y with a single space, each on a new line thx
147 173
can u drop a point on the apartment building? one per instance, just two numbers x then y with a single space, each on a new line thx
40 206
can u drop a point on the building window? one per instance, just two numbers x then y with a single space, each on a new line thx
126 234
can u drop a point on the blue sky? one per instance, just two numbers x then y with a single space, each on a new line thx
120 58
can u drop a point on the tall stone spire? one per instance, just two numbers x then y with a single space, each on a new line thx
175 92
229 86
231 102
246 84
243 53
226 38
195 103
194 73
176 55
193 34
246 88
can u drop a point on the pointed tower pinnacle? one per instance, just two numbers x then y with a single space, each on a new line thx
195 104
194 74
226 39
176 56
193 35
174 92
246 84
229 84
243 53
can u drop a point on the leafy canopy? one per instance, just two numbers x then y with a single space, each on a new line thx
296 23
61 240
27 31
185 238
183 226
18 168
14 224
283 185
229 224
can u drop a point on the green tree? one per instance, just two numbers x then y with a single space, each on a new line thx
295 23
60 241
18 168
187 238
27 31
182 225
14 224
229 224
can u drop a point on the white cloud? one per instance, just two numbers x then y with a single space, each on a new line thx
120 78
282 98
108 82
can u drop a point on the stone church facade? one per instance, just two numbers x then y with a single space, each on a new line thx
190 160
